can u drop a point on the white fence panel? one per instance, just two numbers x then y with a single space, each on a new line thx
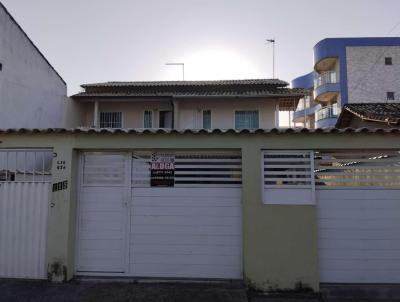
23 229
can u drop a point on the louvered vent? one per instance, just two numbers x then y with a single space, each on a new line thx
104 168
193 169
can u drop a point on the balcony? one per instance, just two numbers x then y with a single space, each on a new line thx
306 107
326 86
327 116
329 77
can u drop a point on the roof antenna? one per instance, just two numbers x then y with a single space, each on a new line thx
272 41
178 64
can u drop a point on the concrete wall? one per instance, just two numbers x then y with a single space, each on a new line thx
31 92
368 77
280 241
189 114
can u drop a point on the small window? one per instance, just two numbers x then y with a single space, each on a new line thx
246 119
1 66
165 119
148 119
206 119
388 60
110 119
390 96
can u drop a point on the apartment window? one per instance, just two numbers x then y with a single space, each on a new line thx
165 119
246 119
390 96
110 119
148 119
388 61
206 119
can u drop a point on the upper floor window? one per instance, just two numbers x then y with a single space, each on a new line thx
390 96
206 119
148 119
110 119
388 61
246 119
165 119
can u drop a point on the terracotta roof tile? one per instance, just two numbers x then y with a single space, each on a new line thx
388 113
201 131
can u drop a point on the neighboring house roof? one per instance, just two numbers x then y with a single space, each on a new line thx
31 42
388 113
86 130
275 82
259 88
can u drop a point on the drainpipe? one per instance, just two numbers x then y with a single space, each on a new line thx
96 114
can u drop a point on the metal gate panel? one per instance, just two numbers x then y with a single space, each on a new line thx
25 176
23 229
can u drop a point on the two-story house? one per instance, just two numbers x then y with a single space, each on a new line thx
348 71
239 104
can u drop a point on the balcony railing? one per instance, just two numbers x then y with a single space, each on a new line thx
329 77
304 103
330 111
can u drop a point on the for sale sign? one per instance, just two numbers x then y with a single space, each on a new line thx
162 170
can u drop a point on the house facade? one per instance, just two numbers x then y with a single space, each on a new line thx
32 93
275 209
231 104
346 71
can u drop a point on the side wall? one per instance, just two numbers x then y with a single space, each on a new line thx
368 77
32 95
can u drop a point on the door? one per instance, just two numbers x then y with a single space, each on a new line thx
103 213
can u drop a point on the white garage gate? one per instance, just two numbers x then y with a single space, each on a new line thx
138 219
357 194
358 204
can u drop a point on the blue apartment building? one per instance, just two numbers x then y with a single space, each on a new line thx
345 71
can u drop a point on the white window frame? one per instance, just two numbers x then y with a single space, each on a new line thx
152 118
237 110
122 119
202 118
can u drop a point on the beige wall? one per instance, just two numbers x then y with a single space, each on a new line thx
279 241
223 112
189 114
132 112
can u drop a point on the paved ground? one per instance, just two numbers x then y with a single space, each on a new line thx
97 291
39 291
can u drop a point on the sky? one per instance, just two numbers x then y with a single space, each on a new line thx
90 41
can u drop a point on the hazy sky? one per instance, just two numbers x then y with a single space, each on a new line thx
121 40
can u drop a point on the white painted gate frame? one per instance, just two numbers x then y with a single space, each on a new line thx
312 177
127 204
